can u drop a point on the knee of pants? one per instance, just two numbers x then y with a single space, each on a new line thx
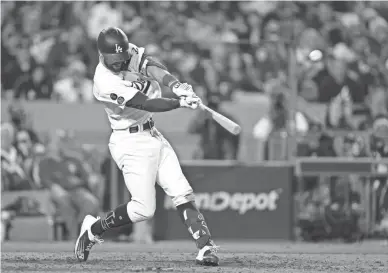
140 211
183 198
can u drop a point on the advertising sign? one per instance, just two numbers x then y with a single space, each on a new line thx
238 202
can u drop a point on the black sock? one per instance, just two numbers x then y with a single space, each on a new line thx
116 218
195 223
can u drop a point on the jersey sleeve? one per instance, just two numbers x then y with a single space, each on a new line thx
138 62
114 91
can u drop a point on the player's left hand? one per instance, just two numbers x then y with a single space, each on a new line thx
183 89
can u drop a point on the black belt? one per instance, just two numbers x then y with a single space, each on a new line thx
146 126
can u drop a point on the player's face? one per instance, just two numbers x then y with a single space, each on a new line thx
116 65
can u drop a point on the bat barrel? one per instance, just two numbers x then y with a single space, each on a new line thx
226 123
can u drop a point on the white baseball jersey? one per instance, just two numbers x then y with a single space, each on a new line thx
115 89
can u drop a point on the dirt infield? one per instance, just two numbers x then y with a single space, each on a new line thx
371 257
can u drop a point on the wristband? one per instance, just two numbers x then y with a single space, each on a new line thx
169 80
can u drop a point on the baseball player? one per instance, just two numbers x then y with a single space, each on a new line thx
126 82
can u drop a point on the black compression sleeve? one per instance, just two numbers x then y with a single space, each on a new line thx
156 105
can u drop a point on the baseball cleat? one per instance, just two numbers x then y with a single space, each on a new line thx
208 255
86 239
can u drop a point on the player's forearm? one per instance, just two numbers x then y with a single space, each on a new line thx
161 105
162 76
156 105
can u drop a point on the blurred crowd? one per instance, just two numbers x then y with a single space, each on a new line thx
49 50
71 172
221 47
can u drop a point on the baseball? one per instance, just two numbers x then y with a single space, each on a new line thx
315 55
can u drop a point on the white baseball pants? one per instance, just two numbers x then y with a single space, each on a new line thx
146 158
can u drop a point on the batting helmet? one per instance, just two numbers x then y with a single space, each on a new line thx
112 43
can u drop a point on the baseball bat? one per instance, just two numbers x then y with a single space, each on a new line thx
229 125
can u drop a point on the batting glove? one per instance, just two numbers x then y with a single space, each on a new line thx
190 102
183 89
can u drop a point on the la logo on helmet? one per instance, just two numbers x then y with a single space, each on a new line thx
118 48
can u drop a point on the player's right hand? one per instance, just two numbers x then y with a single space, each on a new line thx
191 102
183 89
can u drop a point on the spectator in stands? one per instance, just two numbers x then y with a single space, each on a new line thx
29 154
216 142
354 146
70 46
91 160
20 121
13 177
275 122
74 86
35 85
377 102
24 147
41 85
66 180
238 76
269 59
213 66
340 111
131 18
308 90
324 147
25 140
102 15
332 78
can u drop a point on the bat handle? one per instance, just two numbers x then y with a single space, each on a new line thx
204 107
